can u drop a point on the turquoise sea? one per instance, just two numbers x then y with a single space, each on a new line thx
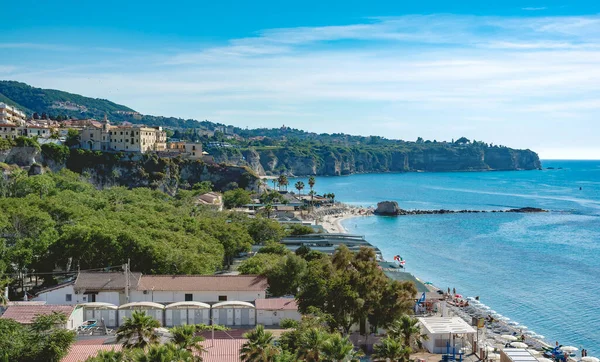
541 270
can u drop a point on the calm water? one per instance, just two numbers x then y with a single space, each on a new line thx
538 269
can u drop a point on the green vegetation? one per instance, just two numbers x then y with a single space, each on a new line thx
57 153
61 220
43 341
27 142
6 144
236 198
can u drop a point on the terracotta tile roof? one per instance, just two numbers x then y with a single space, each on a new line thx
276 304
203 283
81 352
105 281
221 350
25 314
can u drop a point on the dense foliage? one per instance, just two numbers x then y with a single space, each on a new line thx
42 341
60 220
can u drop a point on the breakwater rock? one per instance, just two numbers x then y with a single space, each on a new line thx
391 208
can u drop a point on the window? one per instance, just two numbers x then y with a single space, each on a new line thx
189 297
222 298
68 297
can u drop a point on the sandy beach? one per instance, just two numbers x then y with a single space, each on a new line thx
333 223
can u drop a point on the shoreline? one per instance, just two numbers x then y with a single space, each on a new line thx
491 334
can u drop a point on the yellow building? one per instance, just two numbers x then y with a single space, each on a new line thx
12 115
123 138
186 149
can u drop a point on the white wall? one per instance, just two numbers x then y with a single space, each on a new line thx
273 318
59 296
206 297
76 319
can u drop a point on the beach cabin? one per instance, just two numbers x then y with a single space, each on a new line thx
154 310
234 313
446 334
270 312
106 313
181 313
516 355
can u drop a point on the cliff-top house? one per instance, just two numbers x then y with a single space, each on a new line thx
127 138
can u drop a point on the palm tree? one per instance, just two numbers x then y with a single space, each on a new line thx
165 352
109 356
332 195
312 194
268 208
3 284
390 349
185 337
311 184
138 331
407 330
339 349
259 347
274 181
299 186
311 344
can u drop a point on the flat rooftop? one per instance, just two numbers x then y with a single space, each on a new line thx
445 325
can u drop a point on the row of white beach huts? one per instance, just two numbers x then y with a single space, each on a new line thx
110 297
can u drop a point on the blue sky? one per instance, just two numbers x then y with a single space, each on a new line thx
521 73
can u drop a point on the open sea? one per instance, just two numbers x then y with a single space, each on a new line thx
541 270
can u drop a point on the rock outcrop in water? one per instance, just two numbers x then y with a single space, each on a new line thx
391 208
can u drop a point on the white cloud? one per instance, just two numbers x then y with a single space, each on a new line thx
532 8
503 80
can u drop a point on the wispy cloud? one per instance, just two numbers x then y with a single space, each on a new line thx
532 8
502 79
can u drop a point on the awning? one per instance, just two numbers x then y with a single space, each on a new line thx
185 305
142 305
98 305
233 304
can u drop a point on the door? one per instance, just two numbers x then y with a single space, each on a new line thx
112 318
251 316
276 318
89 314
230 317
169 318
245 317
183 314
223 316
237 314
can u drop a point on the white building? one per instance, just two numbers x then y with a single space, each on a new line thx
90 287
165 289
11 115
270 312
25 314
199 288
446 333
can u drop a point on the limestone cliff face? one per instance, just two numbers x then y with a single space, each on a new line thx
112 169
345 161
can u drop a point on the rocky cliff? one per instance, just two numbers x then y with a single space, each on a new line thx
119 169
345 161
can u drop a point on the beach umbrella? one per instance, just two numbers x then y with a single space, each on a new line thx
542 359
513 323
518 345
428 283
493 356
508 337
458 296
589 359
533 352
489 348
569 349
